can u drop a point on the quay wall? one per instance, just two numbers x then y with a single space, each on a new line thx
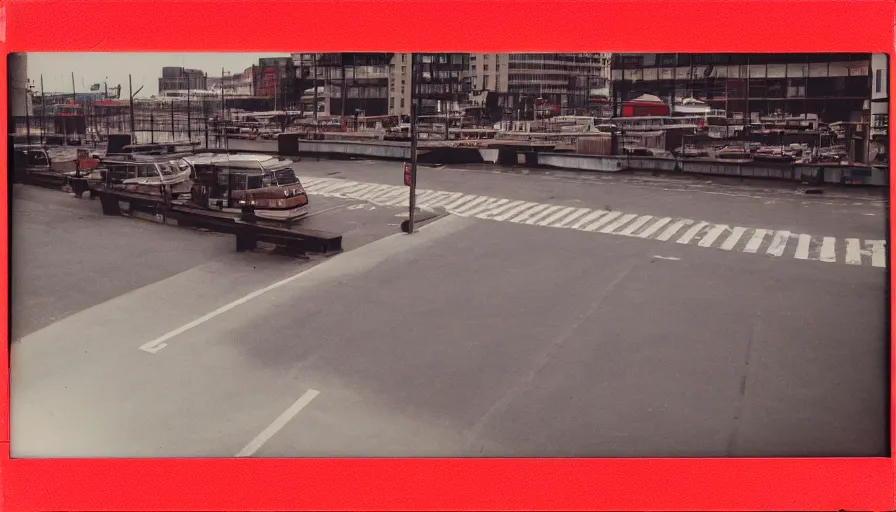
441 154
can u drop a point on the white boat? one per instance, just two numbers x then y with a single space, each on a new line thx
690 107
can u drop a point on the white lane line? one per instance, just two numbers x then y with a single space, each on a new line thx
779 243
644 219
513 211
691 233
489 214
756 240
802 247
671 258
556 216
601 221
588 218
278 424
712 235
733 238
828 253
653 228
571 217
489 205
671 230
878 252
618 223
853 252
154 346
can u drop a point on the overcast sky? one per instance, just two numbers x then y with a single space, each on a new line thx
145 68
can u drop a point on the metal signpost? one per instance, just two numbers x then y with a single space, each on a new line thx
412 203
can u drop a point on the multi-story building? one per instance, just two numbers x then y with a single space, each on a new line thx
276 77
880 97
241 84
442 82
361 78
837 87
178 78
555 82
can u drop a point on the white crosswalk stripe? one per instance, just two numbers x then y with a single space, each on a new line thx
695 233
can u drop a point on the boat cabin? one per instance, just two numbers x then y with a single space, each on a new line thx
230 183
150 177
37 162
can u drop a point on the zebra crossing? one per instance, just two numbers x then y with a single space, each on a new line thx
773 243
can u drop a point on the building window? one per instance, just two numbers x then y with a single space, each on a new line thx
881 121
402 102
404 58
404 70
391 102
878 80
485 67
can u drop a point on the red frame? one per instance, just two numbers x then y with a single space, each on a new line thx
521 484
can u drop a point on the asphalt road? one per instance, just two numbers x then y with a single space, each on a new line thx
470 338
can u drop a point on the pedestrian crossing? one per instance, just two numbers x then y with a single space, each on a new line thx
768 242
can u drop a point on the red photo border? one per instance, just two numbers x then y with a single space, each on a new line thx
444 484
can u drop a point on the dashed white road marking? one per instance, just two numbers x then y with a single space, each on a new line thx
634 226
618 223
691 233
587 219
853 251
712 235
512 212
671 230
571 217
774 243
756 240
653 228
878 252
828 252
733 238
601 221
779 243
670 258
802 247
278 424
554 217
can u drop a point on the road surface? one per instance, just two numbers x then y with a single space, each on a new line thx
539 318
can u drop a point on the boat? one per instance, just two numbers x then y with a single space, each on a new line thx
48 165
155 177
231 183
690 106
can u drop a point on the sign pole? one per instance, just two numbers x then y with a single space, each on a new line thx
412 203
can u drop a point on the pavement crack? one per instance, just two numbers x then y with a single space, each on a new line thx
472 434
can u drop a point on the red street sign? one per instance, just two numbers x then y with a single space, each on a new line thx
407 174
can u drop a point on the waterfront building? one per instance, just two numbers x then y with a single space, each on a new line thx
547 83
442 82
361 78
180 78
835 86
